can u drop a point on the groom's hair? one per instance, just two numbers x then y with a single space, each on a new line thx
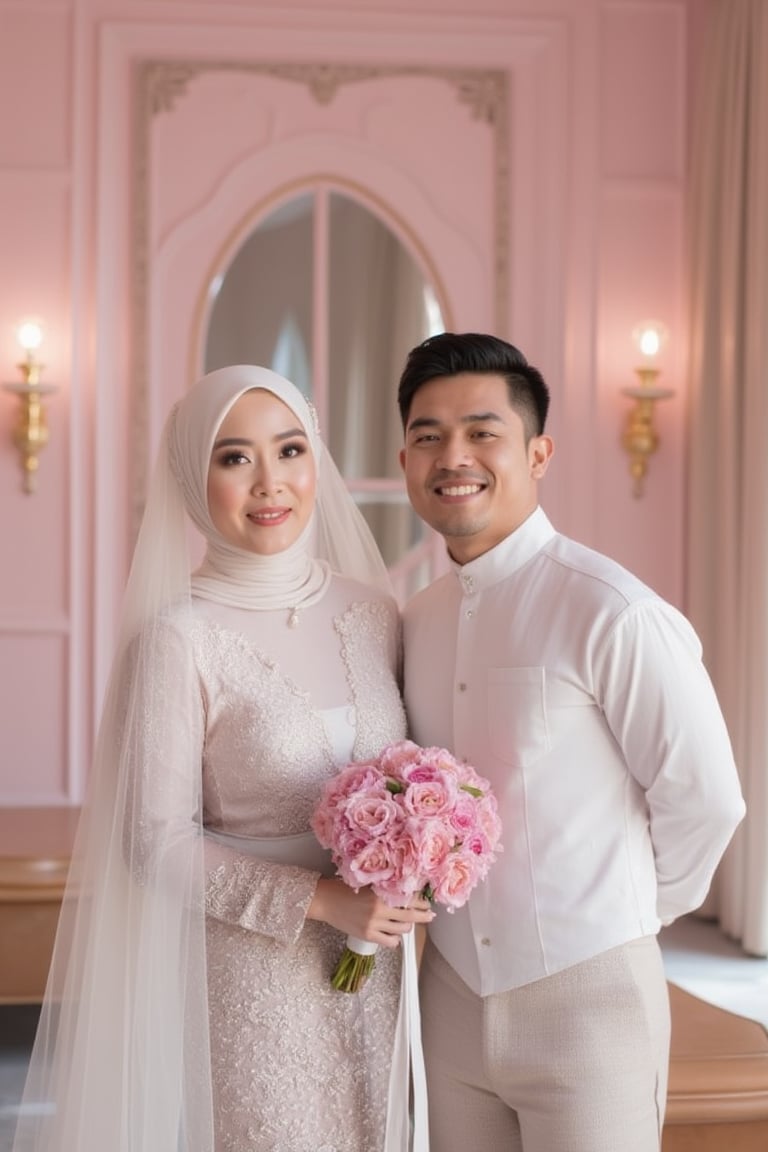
451 354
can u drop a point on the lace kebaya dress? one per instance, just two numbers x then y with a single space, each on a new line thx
189 1005
296 1066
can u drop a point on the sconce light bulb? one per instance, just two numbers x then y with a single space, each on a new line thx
649 342
30 335
649 338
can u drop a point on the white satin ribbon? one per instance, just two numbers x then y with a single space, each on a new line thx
362 947
407 1071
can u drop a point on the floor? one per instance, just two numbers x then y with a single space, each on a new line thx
700 959
696 956
17 1031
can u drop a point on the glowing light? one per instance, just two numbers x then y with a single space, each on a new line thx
649 337
30 335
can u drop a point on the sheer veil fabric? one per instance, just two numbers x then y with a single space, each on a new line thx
121 1059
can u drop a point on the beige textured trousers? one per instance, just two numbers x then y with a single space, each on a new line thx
575 1062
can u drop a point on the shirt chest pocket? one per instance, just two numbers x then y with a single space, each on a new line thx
517 715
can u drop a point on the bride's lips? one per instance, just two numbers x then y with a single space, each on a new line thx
269 517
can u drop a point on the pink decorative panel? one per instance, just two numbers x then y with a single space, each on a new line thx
35 67
642 90
34 717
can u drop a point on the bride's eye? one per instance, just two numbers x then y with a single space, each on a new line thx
229 459
294 449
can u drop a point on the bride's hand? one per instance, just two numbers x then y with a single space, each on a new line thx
363 915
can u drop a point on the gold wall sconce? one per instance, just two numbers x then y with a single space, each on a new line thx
30 434
640 439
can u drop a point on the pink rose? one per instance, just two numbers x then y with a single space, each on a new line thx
407 877
488 820
416 773
323 825
347 843
464 815
362 777
457 879
476 843
397 756
439 758
373 815
371 865
433 842
430 798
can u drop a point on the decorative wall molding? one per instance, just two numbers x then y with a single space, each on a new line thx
166 81
54 626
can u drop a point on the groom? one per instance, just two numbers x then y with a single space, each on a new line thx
582 697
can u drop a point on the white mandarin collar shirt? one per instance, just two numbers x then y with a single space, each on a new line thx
581 696
507 557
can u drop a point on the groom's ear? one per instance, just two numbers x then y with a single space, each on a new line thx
540 450
401 458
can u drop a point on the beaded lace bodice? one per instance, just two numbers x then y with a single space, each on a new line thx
262 777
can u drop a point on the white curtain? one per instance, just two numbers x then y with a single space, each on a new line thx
727 545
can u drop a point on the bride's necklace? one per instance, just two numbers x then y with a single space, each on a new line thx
294 612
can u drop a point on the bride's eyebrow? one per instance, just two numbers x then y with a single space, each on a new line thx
232 442
244 442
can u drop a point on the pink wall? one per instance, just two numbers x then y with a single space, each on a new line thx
594 148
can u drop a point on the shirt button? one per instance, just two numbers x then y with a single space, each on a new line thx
462 687
470 613
486 940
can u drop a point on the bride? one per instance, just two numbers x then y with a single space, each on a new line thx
189 1006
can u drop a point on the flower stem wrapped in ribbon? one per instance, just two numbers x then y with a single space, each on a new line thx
413 822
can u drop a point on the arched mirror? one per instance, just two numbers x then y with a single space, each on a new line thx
324 292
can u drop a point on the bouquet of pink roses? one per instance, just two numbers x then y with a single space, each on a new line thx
414 821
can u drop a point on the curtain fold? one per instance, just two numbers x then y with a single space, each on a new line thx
727 532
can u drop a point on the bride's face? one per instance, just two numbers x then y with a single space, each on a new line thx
262 475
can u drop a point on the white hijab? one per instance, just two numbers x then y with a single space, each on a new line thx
121 1059
231 575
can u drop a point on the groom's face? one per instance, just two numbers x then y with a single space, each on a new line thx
470 471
